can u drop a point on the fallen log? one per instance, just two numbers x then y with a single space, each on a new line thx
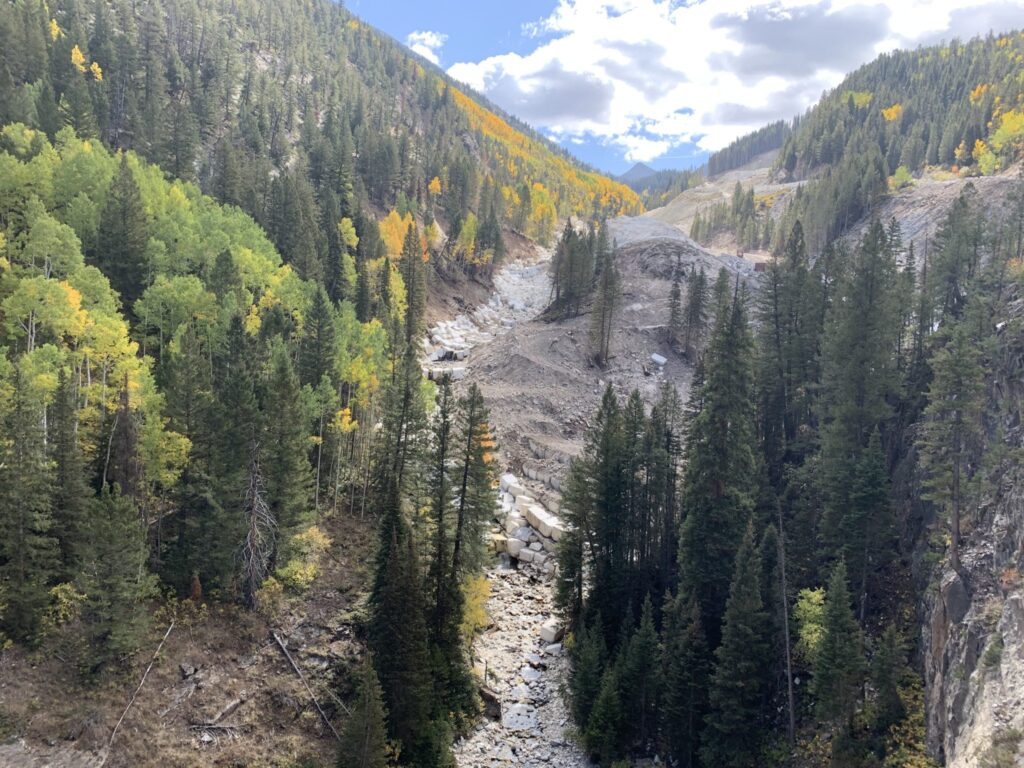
323 715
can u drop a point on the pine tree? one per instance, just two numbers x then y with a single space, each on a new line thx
286 469
686 663
398 639
364 739
318 344
642 674
887 667
603 735
952 428
588 655
718 481
475 475
695 320
122 238
606 302
735 722
71 492
839 663
674 328
113 576
28 549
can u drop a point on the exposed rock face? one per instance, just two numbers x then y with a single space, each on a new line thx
973 633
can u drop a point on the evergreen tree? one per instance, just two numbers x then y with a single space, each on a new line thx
475 475
735 722
606 302
71 491
887 667
28 549
286 470
839 663
364 739
695 320
318 344
113 576
642 678
588 654
949 440
674 327
718 480
685 665
123 236
603 736
398 640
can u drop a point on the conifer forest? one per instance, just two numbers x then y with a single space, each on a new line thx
348 420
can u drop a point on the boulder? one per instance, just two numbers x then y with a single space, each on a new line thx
523 533
526 555
551 631
506 480
492 704
514 547
557 531
658 360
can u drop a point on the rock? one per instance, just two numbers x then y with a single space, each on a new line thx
187 670
658 360
536 546
955 597
530 674
523 533
514 547
527 555
519 717
551 631
555 649
492 704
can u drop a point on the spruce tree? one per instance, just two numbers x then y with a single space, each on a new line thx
642 678
70 490
686 666
28 549
318 343
952 429
695 320
122 238
113 576
603 735
588 655
887 667
839 661
674 327
735 722
285 466
364 739
606 303
475 478
718 483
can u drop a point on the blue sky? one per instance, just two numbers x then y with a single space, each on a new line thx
666 81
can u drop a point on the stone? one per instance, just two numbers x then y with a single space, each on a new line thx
549 545
519 717
530 674
555 649
523 533
513 524
557 532
514 547
506 480
551 631
523 502
527 555
540 558
658 360
955 597
536 546
492 704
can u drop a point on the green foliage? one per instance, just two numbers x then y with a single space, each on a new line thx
364 741
839 661
809 613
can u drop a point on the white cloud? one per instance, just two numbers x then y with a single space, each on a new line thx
427 44
648 75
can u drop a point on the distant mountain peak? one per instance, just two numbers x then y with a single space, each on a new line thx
638 172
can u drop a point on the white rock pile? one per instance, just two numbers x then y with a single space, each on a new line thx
521 291
531 532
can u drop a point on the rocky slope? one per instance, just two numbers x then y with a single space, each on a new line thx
973 631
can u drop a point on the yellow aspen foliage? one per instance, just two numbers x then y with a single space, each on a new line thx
983 156
347 232
96 71
475 592
343 422
392 231
979 93
893 113
435 186
78 59
1010 132
55 31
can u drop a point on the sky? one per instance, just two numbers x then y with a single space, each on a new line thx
666 82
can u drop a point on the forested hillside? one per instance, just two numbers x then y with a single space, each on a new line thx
957 107
296 112
742 572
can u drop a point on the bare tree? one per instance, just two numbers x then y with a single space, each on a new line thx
261 532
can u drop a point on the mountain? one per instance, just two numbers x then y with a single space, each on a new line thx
637 174
896 127
293 109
